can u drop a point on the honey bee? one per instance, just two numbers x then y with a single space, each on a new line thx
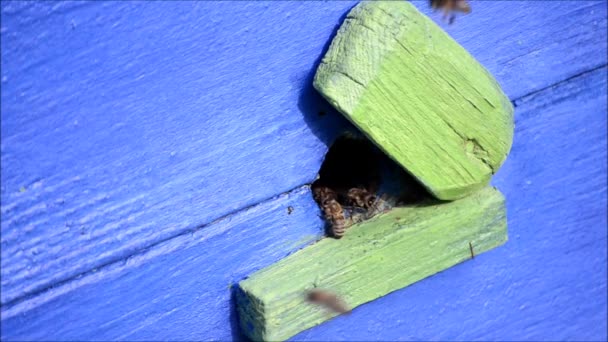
328 299
365 204
342 209
322 192
335 215
348 180
355 214
450 6
332 209
380 205
361 197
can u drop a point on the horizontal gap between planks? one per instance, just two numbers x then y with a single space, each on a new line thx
580 74
147 248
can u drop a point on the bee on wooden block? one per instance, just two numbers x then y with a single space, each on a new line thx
355 214
348 180
380 205
328 299
449 7
327 199
322 192
366 205
360 197
335 215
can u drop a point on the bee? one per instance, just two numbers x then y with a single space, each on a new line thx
322 193
380 205
348 180
328 299
361 197
451 6
355 214
332 209
335 215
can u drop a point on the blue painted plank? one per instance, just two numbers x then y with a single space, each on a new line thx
178 290
129 123
529 45
548 282
126 124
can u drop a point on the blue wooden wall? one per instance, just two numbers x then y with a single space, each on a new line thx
150 150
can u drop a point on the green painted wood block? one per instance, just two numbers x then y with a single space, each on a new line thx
375 257
418 95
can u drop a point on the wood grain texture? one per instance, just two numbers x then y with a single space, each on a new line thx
97 95
418 95
138 144
549 281
115 115
374 258
551 276
178 290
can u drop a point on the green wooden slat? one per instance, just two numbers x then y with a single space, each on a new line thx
421 97
375 257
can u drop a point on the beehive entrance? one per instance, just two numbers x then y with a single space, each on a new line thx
357 181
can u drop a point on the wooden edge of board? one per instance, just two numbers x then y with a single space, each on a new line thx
374 258
418 95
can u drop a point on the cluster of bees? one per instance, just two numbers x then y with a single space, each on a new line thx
344 208
347 185
350 182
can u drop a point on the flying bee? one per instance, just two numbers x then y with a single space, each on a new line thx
328 299
360 197
450 6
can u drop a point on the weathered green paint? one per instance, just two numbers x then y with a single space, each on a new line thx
417 94
374 258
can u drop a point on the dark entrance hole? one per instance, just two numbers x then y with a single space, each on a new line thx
357 181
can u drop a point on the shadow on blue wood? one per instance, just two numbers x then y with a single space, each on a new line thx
235 329
324 121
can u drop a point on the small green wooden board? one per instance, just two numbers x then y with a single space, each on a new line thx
374 258
418 95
